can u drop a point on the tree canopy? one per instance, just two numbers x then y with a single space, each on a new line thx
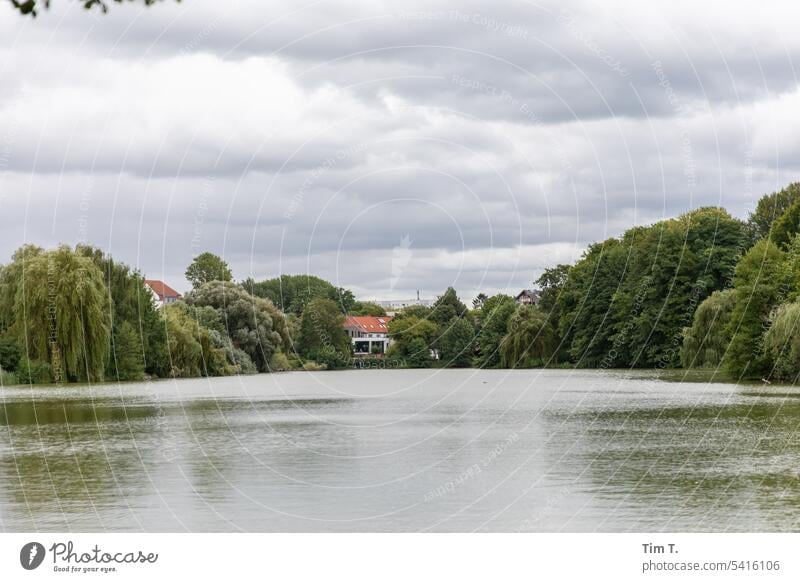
207 267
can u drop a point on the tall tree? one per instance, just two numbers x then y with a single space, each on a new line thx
493 321
207 267
322 334
530 340
254 325
447 306
761 284
769 209
456 343
63 311
708 338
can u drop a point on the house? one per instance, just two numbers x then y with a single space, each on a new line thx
163 293
369 334
527 297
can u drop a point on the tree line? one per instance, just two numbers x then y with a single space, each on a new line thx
704 289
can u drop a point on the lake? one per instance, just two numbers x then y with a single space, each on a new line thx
402 450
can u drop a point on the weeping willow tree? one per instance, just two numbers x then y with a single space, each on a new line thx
782 342
62 311
530 341
705 342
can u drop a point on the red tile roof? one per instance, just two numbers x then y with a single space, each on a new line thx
368 323
161 289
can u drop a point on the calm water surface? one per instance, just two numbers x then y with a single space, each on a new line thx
402 450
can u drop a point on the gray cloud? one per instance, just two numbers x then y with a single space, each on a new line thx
497 140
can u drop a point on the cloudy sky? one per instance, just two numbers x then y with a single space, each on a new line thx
387 146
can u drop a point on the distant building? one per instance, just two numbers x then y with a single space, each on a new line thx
527 297
397 304
163 293
370 335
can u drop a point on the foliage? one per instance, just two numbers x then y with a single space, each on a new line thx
10 353
769 209
253 324
33 7
412 338
366 308
455 344
63 312
132 303
10 279
479 300
193 350
626 302
280 363
706 341
782 342
207 267
322 334
417 311
761 284
786 226
493 320
34 372
127 357
531 340
447 306
291 293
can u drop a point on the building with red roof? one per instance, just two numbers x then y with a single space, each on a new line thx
163 293
369 334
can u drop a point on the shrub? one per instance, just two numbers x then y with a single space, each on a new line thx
34 372
10 353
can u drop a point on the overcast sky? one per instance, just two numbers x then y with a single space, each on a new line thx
387 146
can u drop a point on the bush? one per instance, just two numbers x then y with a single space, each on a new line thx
331 358
10 353
313 367
279 363
34 372
7 378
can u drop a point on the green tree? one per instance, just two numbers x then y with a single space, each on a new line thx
367 308
132 303
782 342
207 267
447 306
478 302
291 293
706 341
193 350
62 311
253 324
322 334
761 284
769 209
412 338
585 302
10 352
456 343
530 341
127 357
493 318
786 226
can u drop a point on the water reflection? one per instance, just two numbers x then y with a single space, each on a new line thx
446 451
